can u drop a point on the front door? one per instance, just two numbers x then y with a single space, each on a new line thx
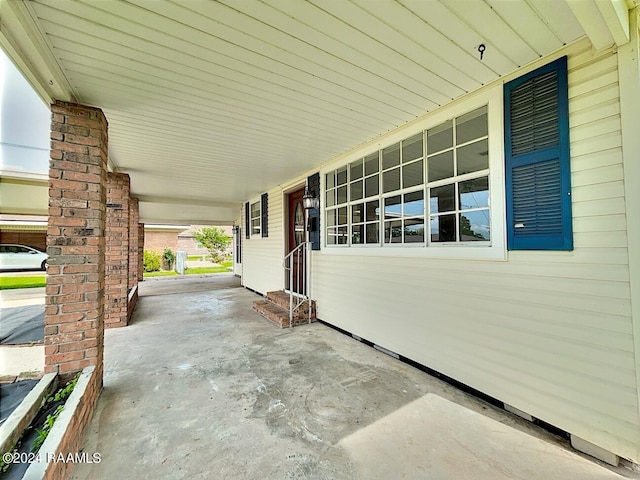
296 281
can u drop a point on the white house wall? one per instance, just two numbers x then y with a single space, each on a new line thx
262 269
549 333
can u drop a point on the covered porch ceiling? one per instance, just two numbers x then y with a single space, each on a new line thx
210 103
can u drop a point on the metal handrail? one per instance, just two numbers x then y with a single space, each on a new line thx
301 250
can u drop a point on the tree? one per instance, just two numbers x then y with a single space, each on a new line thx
215 240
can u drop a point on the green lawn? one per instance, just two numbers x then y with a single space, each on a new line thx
194 271
160 274
7 283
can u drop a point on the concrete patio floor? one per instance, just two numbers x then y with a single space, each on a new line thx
201 387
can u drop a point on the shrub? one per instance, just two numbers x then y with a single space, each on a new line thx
152 260
169 258
216 257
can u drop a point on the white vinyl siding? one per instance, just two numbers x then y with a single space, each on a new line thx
549 333
262 256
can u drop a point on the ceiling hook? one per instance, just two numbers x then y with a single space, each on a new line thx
481 48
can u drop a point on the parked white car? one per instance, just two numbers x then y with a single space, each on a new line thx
18 257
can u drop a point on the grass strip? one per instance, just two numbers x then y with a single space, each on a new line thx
193 271
8 283
160 274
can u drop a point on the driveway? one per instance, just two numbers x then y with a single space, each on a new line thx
19 308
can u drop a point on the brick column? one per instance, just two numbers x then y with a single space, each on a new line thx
117 250
133 257
140 252
133 242
74 328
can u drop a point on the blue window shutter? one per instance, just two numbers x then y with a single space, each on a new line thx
247 221
313 184
538 177
264 212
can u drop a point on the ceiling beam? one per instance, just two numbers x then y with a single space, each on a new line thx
606 22
188 221
616 16
185 201
592 22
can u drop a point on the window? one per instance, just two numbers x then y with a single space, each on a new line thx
254 218
365 216
238 237
365 223
336 202
458 179
404 218
441 174
538 185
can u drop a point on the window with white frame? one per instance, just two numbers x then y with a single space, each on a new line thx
365 214
336 204
255 216
458 179
438 177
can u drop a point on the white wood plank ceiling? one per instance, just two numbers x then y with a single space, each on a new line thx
212 102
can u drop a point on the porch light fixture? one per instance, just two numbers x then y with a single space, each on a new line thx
309 200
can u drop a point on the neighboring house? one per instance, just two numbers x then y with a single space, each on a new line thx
24 230
176 237
159 237
487 241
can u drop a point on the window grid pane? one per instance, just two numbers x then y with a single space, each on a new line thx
367 200
337 219
459 206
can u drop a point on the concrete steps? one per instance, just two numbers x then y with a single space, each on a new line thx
275 308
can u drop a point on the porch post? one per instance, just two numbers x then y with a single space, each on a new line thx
140 252
629 78
133 242
74 311
117 252
133 256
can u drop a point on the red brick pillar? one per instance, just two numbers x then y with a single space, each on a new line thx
140 252
117 250
133 256
74 328
133 242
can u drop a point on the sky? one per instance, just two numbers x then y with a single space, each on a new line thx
24 123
